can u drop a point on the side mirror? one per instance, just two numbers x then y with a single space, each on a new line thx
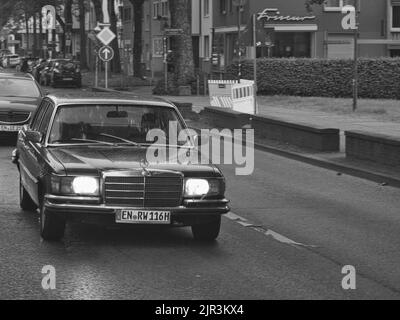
199 140
34 136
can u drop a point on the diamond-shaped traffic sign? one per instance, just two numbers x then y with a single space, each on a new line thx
106 36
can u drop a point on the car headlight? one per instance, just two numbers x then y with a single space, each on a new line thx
85 186
203 187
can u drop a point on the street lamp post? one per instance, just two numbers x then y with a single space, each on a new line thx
239 4
355 80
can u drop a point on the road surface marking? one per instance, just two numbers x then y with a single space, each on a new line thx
267 232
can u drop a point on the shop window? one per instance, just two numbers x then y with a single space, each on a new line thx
206 7
223 6
158 47
337 5
395 18
206 47
292 45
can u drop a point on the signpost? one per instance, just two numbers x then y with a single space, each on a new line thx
239 4
106 54
106 36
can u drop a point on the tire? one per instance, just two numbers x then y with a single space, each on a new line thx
52 227
207 231
25 201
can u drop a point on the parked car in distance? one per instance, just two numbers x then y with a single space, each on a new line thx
4 52
84 158
10 60
20 95
37 68
26 64
61 72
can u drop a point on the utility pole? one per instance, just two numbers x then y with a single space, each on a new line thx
355 80
239 4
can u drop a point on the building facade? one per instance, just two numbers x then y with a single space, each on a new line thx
289 30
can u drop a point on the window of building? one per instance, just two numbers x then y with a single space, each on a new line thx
395 13
158 47
156 9
127 14
206 7
164 8
230 6
223 6
206 47
292 45
337 5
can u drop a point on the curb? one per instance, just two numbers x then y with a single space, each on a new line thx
315 161
329 165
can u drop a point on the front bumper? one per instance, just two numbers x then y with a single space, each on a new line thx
91 210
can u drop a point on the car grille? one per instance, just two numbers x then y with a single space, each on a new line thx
160 190
14 117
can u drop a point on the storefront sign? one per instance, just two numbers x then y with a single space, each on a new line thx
275 15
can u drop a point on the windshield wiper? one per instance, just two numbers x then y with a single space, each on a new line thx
87 140
119 138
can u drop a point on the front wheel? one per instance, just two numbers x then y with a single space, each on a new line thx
207 231
52 227
25 201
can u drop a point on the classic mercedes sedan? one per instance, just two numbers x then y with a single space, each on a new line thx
85 158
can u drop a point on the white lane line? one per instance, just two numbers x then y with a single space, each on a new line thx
267 232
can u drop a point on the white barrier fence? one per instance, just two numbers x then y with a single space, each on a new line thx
233 95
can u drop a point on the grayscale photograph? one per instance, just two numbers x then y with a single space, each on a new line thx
203 156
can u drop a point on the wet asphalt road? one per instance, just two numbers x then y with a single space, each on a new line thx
335 221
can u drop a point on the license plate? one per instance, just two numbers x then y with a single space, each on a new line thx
143 217
10 128
68 79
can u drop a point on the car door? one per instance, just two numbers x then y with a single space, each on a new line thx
28 154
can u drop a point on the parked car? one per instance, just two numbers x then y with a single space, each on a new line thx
59 72
10 60
19 96
37 68
84 158
26 64
4 52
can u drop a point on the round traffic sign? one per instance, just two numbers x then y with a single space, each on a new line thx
106 53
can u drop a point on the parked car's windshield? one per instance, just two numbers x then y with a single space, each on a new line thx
18 88
112 123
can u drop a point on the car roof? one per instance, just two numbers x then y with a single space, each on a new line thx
15 75
105 98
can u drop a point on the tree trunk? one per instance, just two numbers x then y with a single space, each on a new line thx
138 46
35 39
68 25
62 43
82 20
98 10
182 53
27 33
116 62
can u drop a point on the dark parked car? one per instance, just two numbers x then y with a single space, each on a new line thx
37 68
59 72
20 95
85 158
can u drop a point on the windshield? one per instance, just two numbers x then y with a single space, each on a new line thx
18 88
116 124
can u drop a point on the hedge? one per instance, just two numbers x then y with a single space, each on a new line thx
378 78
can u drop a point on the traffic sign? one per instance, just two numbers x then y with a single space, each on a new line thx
106 53
174 32
106 36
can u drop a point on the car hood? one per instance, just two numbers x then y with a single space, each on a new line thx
18 104
94 160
